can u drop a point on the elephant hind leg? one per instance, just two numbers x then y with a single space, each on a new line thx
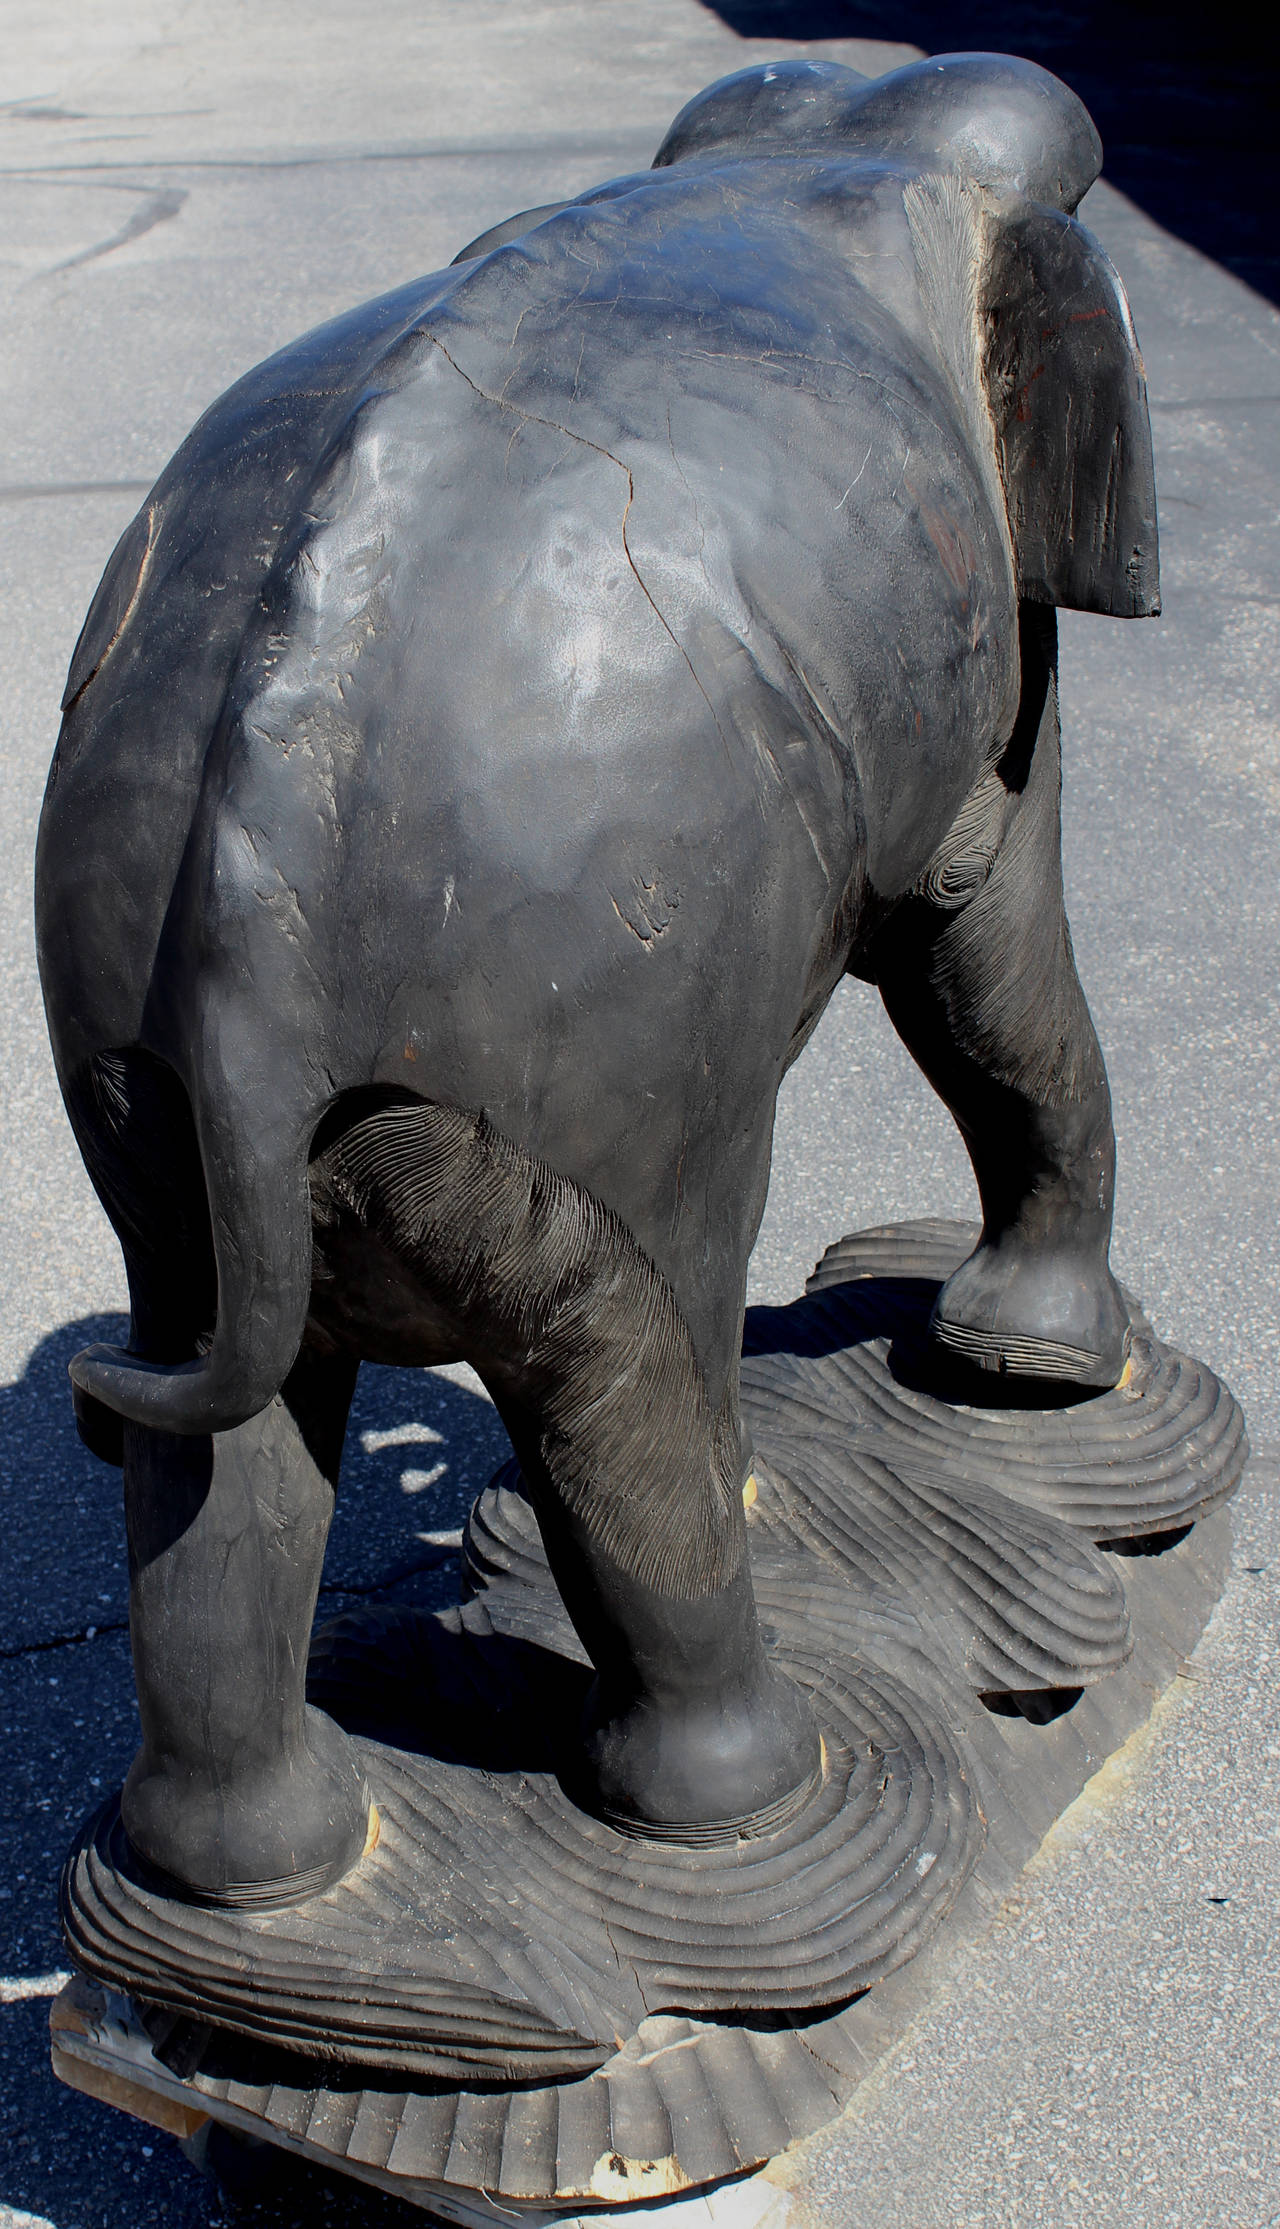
981 985
637 1480
239 1794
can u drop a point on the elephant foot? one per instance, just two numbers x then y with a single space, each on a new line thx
258 1838
714 1773
1026 1312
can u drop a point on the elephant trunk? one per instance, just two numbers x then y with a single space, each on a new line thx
260 1220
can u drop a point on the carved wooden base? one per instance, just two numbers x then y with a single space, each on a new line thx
512 1996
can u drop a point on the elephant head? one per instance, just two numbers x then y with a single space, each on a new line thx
1026 305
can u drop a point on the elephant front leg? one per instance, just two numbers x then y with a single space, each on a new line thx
982 987
240 1794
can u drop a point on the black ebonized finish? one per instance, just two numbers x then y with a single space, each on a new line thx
513 709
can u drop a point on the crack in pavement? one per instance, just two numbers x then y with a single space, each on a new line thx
464 151
40 491
158 207
353 1591
62 1641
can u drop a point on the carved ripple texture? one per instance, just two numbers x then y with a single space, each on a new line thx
1026 1603
684 2102
1005 1598
500 1933
499 1930
1146 1458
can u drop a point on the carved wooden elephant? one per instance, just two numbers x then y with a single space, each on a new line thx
512 711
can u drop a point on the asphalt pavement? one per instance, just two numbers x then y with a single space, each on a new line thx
185 185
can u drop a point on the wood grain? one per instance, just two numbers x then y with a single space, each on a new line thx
513 1996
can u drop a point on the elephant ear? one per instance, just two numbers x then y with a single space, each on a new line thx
1068 397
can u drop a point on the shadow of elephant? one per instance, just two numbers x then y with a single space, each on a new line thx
419 1448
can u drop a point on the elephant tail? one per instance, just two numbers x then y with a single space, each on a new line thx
212 1225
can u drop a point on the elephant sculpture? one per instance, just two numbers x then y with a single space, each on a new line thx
514 708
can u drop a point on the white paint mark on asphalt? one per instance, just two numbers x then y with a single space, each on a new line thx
15 1989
